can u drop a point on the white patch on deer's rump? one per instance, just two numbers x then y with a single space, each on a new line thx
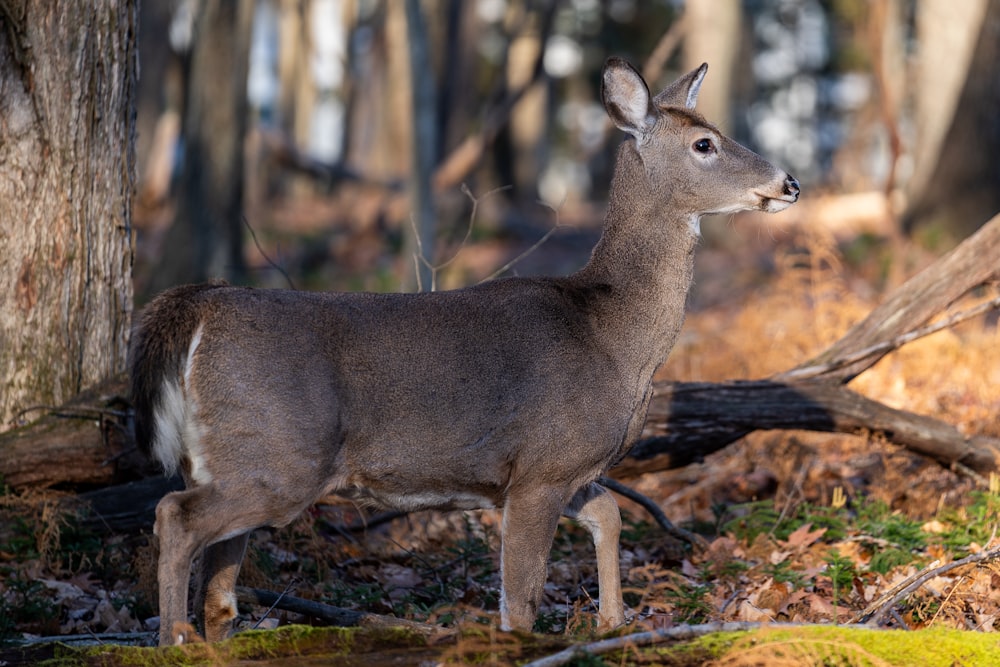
192 348
168 425
176 432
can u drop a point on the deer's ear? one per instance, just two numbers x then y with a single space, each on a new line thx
684 91
626 98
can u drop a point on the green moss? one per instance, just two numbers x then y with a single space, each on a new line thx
266 646
841 645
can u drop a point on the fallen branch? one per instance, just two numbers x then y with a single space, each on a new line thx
808 372
690 420
579 652
654 510
329 614
873 613
972 263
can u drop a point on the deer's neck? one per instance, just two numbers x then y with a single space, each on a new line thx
645 261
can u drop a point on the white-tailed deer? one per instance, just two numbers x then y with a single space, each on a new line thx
517 393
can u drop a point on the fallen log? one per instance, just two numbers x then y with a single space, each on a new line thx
972 263
688 421
122 508
328 613
694 419
83 443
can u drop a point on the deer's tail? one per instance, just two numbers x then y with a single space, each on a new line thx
159 360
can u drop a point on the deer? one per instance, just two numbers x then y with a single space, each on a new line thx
516 394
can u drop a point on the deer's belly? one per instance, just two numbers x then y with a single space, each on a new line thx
414 500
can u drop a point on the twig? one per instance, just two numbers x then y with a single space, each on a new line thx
70 412
647 503
535 246
436 268
680 632
88 639
944 603
808 372
274 265
278 599
873 614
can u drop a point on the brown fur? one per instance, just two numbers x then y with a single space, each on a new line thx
517 393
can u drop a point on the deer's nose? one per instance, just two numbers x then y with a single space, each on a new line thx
791 186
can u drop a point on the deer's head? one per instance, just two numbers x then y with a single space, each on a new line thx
689 163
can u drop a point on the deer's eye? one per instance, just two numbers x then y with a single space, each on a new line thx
704 146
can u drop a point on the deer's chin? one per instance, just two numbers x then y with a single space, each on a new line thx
769 205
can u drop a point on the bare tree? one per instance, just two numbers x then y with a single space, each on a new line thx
67 133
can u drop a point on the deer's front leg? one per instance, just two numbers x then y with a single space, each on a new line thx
595 510
530 518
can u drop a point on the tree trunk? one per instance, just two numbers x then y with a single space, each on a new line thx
206 239
956 181
421 239
67 134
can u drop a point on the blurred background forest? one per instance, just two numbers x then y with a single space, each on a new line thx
312 141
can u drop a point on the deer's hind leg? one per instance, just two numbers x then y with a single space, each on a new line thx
216 598
596 510
200 518
178 545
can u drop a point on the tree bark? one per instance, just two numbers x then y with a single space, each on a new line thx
67 134
328 613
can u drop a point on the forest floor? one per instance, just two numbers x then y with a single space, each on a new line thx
800 527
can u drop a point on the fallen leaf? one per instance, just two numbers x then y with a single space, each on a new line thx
819 605
752 613
793 598
776 557
773 597
802 536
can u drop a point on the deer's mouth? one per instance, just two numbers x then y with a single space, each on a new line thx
775 204
789 195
